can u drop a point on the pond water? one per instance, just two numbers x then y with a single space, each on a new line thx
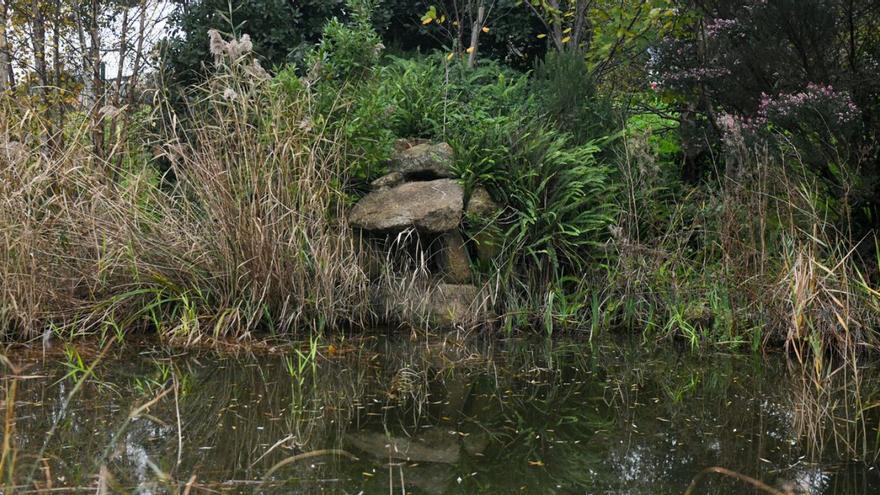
401 415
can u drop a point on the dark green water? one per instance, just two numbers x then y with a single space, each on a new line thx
400 416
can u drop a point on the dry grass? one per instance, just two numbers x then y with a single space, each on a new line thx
245 230
754 257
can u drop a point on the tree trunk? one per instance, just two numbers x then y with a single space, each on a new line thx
59 89
475 37
5 65
138 54
57 22
131 97
38 27
97 79
117 90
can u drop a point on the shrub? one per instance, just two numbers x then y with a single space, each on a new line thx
560 199
280 31
804 73
347 50
567 93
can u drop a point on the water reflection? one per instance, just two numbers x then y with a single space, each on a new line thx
427 416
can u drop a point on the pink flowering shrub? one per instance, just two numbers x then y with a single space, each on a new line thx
755 69
818 108
819 104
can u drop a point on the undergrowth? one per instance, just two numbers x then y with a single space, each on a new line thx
226 214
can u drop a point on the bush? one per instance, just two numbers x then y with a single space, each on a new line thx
281 30
560 202
347 51
800 73
567 92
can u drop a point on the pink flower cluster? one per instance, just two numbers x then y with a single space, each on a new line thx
819 99
718 25
832 108
734 127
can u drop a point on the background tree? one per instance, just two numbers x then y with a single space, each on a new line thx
280 30
6 76
803 73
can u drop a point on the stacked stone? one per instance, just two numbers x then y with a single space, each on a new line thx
420 193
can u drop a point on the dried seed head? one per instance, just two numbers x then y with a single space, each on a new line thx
14 152
217 45
238 48
245 45
257 71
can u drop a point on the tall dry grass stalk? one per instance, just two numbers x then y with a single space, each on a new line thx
245 229
754 255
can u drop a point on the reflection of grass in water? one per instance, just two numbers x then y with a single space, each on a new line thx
80 374
834 408
312 405
8 455
308 409
553 409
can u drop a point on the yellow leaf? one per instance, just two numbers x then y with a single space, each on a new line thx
542 36
485 29
449 57
429 16
442 19
567 30
566 39
470 49
536 463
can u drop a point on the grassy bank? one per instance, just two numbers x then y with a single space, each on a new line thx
221 210
223 218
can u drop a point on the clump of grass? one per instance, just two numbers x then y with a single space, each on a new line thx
244 228
754 256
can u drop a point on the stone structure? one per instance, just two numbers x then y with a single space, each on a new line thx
420 194
431 207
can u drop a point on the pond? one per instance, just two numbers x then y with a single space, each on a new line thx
417 415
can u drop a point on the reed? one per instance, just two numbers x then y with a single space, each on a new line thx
757 256
227 218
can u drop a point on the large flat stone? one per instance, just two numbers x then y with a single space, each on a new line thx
431 206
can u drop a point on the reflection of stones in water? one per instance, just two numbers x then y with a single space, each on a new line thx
429 456
432 445
807 482
431 478
475 443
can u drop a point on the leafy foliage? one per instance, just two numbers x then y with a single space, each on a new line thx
805 71
347 50
281 30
